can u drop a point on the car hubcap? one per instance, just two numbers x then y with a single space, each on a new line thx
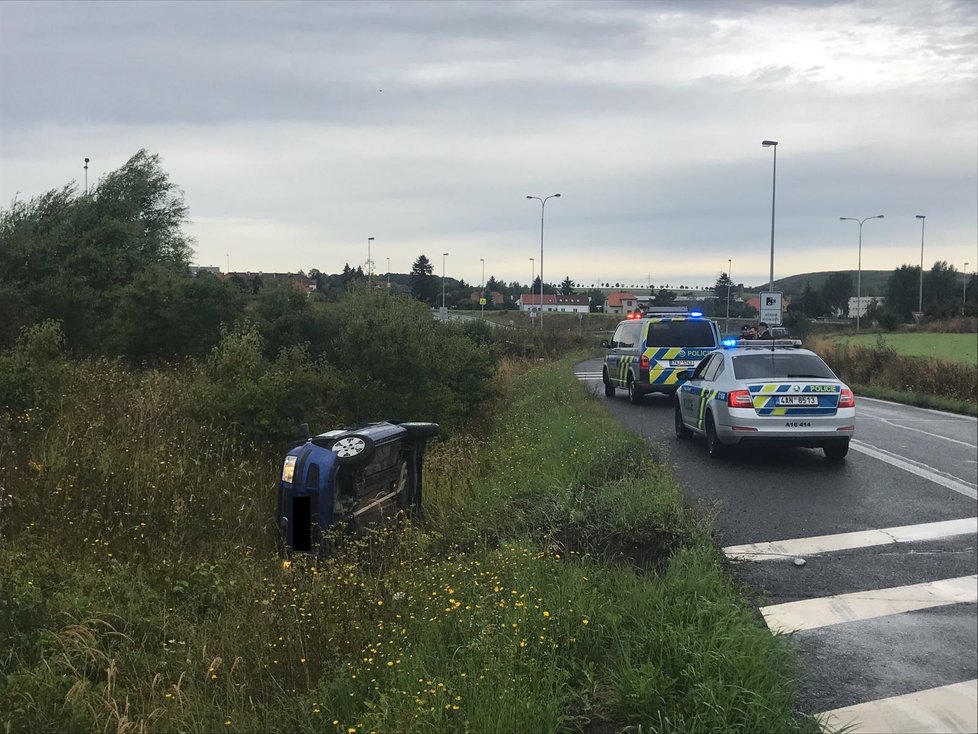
348 446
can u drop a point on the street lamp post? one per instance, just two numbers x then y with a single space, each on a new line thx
964 289
543 205
726 326
859 270
388 276
774 186
482 288
920 296
86 176
369 240
443 256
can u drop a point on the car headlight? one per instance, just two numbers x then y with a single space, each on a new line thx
288 469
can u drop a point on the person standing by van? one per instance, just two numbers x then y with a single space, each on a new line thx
763 332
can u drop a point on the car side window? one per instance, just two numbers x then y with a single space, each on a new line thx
627 335
714 368
616 339
703 366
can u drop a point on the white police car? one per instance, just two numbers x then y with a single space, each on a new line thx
767 390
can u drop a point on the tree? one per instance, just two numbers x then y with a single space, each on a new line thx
901 291
595 299
423 285
722 288
664 298
811 302
942 291
67 256
836 292
567 287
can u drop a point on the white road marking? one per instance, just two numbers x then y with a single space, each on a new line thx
920 430
814 545
807 614
952 708
921 470
955 416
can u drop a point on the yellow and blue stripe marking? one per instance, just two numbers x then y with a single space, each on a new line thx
765 399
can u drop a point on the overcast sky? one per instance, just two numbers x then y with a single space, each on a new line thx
297 131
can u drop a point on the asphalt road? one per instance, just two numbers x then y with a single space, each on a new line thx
877 615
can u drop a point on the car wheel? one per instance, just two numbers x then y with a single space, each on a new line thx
406 485
713 445
634 396
837 450
609 389
681 430
353 449
417 429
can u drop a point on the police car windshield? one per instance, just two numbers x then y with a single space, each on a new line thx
686 333
781 365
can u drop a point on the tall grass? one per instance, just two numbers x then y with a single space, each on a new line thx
883 367
557 583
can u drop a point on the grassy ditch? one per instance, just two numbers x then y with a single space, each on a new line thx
950 347
881 371
557 583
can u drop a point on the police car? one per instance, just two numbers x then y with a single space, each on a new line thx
766 390
648 351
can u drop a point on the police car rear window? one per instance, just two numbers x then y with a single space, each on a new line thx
681 334
781 366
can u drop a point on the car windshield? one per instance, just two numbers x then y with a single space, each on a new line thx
680 334
782 365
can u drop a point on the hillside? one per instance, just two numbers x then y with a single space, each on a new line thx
873 282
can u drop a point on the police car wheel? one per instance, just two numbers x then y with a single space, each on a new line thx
713 445
353 449
681 430
609 389
634 395
836 451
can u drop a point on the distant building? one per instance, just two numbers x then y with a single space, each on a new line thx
862 304
620 302
554 302
194 269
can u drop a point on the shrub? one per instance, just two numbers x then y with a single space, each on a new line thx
32 373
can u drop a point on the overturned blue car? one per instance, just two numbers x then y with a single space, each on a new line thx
347 477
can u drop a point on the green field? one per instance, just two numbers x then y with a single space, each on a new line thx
952 347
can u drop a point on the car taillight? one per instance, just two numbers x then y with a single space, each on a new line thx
643 363
847 399
740 399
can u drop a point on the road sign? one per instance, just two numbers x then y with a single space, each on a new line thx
482 301
771 308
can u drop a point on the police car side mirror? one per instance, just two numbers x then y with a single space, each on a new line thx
605 344
683 375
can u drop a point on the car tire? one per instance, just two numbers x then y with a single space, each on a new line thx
716 449
609 389
405 485
418 429
837 450
681 430
353 449
634 395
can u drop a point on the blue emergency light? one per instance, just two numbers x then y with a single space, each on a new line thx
696 314
729 342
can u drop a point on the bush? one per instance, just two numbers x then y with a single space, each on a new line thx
32 373
264 400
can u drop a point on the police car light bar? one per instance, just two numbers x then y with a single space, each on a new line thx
696 314
730 343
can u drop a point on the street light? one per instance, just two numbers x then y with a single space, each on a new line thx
369 240
920 297
726 326
543 204
388 276
482 288
443 256
86 176
964 289
859 271
774 185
